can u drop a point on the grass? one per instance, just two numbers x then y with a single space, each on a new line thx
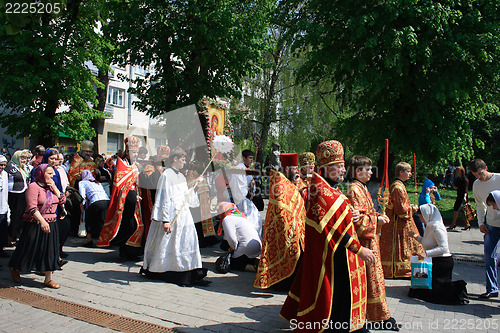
445 205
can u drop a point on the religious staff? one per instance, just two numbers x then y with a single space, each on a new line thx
172 253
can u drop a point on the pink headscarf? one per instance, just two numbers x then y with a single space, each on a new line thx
87 175
39 175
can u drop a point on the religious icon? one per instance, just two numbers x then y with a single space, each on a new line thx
214 122
217 119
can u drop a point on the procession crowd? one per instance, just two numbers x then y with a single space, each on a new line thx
331 251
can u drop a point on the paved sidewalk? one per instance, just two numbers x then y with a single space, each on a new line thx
99 279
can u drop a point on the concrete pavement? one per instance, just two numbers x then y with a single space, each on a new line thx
99 279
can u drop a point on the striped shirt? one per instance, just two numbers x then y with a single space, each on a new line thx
91 192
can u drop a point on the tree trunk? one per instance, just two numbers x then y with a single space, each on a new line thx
45 137
269 111
102 94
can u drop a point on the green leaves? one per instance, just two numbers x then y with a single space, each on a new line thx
45 67
196 48
418 71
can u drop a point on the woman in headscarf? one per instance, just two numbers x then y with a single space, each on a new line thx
96 202
428 195
51 157
18 184
435 243
38 247
493 200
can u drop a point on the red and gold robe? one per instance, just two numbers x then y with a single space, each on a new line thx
77 166
396 244
124 181
303 186
310 299
366 228
284 232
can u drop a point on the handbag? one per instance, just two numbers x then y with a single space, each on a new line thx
222 263
421 272
469 212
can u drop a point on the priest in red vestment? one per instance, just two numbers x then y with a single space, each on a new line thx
82 161
123 225
307 163
329 291
283 237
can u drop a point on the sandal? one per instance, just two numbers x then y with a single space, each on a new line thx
51 284
16 276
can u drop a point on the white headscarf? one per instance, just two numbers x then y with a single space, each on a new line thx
432 216
496 196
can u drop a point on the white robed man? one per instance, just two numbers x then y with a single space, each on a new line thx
243 191
172 253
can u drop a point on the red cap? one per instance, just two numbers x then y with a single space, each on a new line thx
289 160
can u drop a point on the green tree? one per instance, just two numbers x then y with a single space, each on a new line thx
296 115
416 72
194 48
45 68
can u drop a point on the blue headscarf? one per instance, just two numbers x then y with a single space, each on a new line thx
424 197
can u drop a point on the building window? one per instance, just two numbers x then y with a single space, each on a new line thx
115 142
140 70
116 96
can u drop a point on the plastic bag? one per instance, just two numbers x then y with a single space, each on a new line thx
421 272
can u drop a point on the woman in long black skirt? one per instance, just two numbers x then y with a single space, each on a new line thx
435 243
38 247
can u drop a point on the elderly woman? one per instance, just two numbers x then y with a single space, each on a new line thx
38 247
18 184
435 243
51 157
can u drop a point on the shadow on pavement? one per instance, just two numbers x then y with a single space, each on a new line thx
264 316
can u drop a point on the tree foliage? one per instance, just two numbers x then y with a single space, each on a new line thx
44 67
417 72
194 48
298 116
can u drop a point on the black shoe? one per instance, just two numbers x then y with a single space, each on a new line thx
89 244
202 283
488 295
62 262
63 254
466 228
390 324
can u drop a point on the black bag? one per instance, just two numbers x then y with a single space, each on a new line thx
258 202
222 263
